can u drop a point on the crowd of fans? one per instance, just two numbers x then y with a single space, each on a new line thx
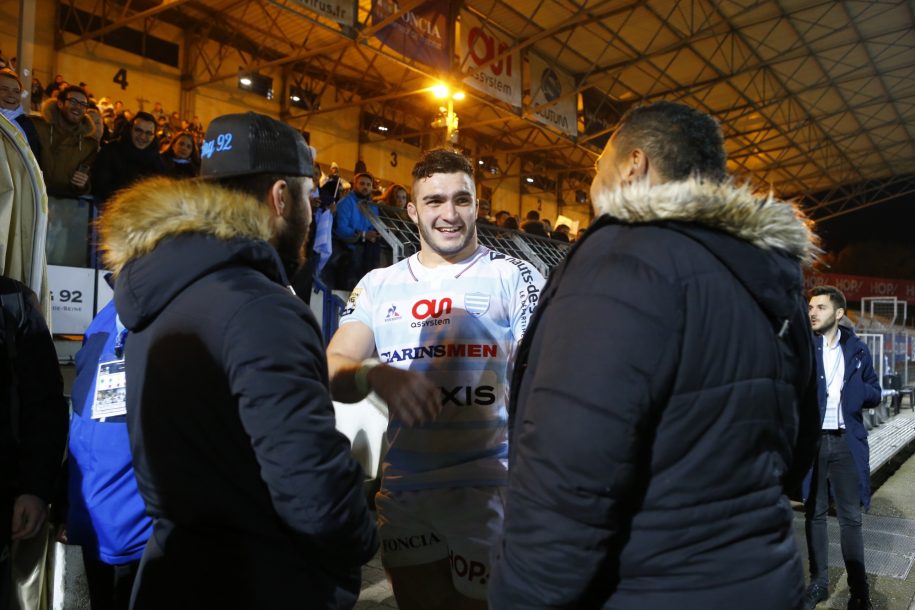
89 147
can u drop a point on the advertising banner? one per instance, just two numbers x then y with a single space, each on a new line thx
423 34
479 45
341 11
549 84
856 287
72 299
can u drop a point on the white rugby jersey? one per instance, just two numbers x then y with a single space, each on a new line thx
458 325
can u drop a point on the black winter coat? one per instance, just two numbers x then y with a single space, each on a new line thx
255 498
33 434
120 164
656 413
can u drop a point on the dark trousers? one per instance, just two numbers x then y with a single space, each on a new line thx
5 580
835 465
110 585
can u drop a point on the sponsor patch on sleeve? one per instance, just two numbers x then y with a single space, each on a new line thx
351 302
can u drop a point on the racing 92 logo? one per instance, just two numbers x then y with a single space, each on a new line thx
433 308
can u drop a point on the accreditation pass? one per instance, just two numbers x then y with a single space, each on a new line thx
110 390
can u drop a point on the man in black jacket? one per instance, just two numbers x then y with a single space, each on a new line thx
33 421
133 156
255 499
659 393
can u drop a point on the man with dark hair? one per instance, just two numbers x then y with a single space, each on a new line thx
11 108
561 233
69 144
846 385
354 229
533 225
255 499
445 323
651 450
131 157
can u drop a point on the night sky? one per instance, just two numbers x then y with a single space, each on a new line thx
889 222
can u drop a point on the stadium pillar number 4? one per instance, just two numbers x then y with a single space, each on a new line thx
120 78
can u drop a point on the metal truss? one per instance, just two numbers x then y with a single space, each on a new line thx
816 97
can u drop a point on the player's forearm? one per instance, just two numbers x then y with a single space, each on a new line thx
343 387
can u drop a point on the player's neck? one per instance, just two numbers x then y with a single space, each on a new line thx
430 259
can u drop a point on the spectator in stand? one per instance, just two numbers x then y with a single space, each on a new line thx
37 95
547 225
395 196
510 222
561 233
157 111
118 107
163 132
353 228
133 156
69 144
100 130
11 107
196 125
174 122
484 208
121 124
533 226
181 158
333 182
54 87
501 217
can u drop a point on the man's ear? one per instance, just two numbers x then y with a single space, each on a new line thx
411 212
278 197
637 165
840 313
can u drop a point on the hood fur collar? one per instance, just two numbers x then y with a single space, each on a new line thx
137 219
765 222
51 113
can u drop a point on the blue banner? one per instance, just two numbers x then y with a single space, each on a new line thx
423 34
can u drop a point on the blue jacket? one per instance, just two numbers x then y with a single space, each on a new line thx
349 219
106 514
860 391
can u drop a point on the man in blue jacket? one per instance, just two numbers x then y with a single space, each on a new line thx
105 514
846 384
255 499
354 229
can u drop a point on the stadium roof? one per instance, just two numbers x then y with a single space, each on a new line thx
816 97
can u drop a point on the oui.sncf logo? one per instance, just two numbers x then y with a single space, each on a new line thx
431 308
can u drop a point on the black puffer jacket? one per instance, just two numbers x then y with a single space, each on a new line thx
656 412
255 498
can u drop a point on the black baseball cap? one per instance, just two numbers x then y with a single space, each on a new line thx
251 143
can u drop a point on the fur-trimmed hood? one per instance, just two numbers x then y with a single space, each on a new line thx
138 218
162 235
51 113
765 222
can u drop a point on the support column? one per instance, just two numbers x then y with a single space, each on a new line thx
25 49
